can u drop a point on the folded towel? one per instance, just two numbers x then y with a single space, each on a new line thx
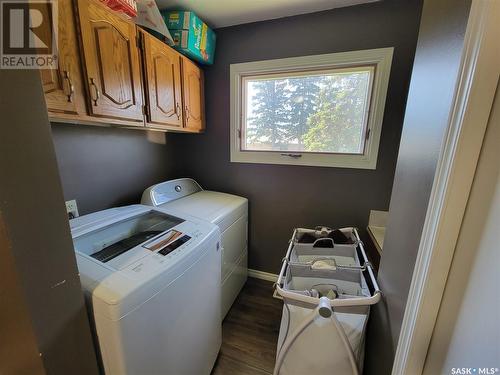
326 264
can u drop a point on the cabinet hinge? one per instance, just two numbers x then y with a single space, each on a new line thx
139 42
144 110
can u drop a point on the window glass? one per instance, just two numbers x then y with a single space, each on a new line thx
307 112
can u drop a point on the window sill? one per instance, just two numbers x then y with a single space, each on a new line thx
313 160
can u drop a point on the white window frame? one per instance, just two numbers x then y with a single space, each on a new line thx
380 58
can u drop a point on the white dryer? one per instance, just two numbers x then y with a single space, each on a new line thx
229 212
151 278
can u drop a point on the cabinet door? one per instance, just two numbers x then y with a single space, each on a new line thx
194 109
63 87
163 83
111 62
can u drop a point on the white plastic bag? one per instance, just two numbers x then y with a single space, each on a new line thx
148 15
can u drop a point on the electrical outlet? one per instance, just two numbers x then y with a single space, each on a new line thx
72 209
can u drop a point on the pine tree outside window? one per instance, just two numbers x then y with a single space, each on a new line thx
323 110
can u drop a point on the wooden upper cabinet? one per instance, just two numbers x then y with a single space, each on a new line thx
162 83
63 87
111 60
193 96
103 65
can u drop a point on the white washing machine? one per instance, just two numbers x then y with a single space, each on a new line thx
151 278
229 212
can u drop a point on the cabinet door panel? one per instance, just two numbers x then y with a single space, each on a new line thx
164 82
163 78
193 96
63 87
111 61
52 83
114 65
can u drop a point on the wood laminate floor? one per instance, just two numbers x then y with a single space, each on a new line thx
250 332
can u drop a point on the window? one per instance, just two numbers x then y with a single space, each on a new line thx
323 110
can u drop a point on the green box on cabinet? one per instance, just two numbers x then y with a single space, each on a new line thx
191 35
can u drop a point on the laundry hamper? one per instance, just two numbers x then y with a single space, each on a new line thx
325 314
324 247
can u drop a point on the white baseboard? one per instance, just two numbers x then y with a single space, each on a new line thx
262 275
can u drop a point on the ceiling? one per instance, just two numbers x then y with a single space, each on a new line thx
221 13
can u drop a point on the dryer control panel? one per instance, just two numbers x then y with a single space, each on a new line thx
168 191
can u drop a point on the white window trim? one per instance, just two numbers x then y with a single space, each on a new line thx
381 58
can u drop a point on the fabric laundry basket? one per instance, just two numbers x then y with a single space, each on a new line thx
323 247
325 310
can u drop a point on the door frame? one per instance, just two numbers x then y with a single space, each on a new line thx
474 95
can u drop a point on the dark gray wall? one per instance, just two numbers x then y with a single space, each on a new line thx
20 355
430 100
284 197
40 249
104 167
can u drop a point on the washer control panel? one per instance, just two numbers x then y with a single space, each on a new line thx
174 245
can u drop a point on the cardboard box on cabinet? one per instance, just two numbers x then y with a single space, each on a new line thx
192 37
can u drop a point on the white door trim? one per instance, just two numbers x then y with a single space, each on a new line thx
474 96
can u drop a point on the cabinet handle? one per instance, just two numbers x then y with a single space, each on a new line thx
70 86
178 110
187 113
97 93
